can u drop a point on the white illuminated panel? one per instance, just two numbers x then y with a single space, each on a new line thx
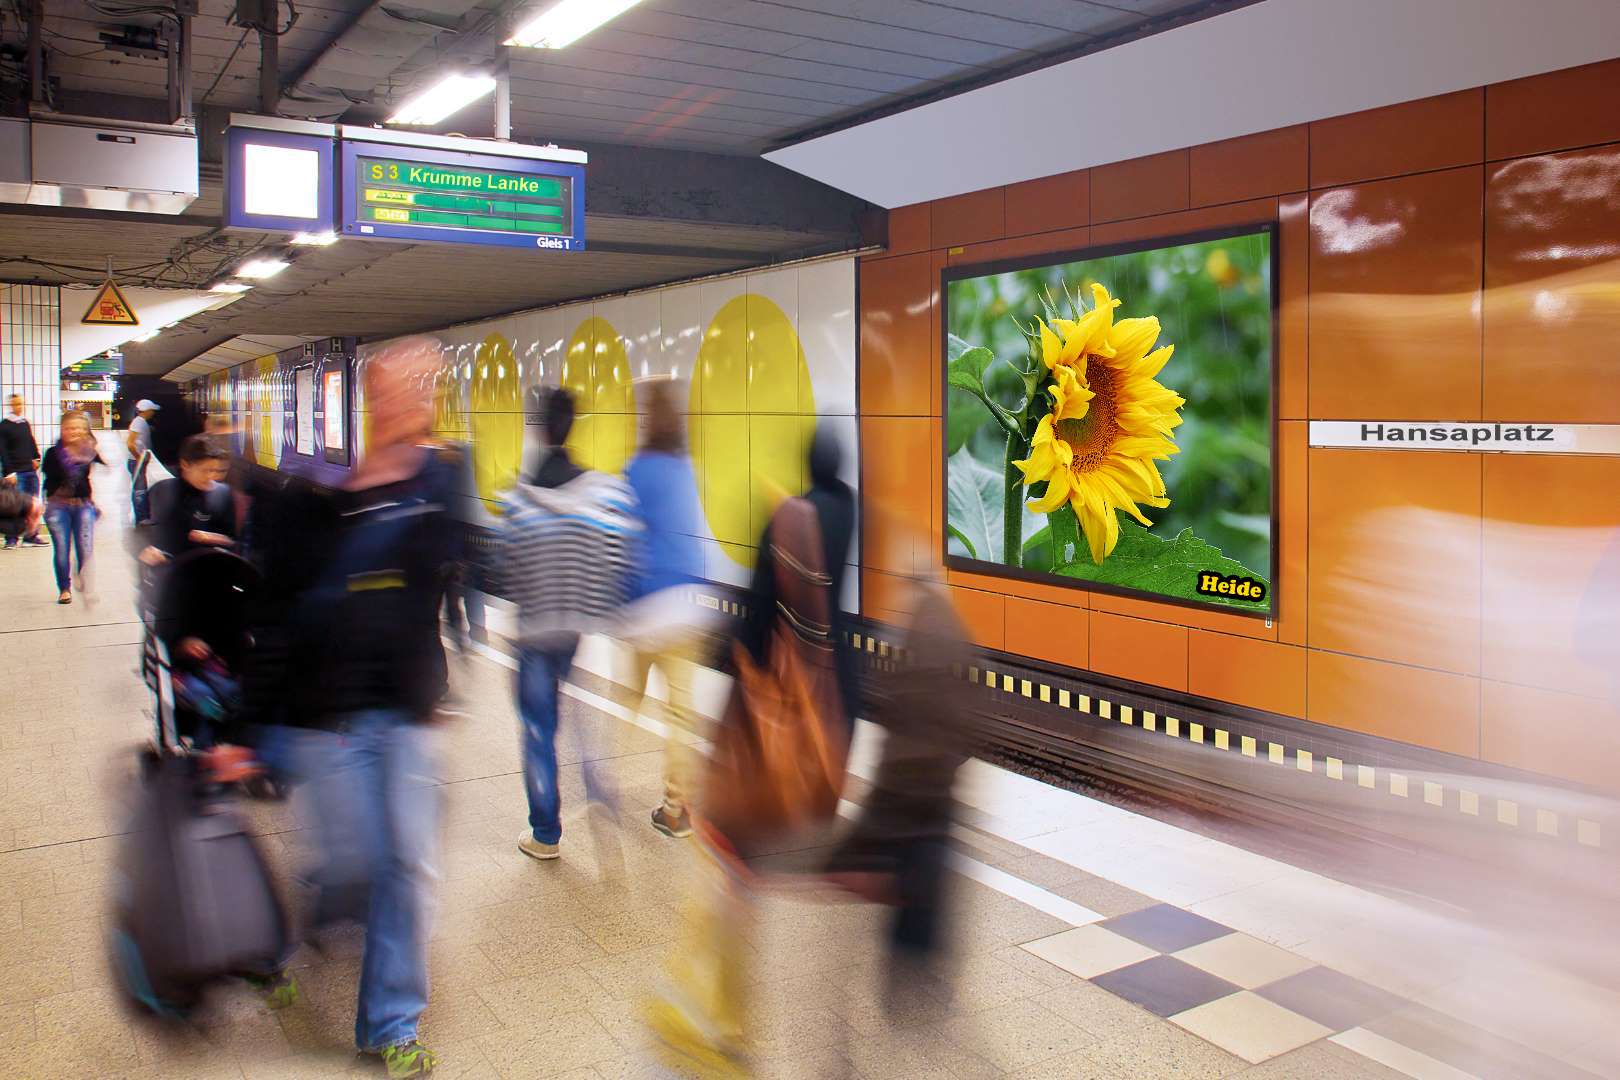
281 181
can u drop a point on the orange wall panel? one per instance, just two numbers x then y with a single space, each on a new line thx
970 218
884 597
1050 203
1294 303
1552 572
1142 186
1293 530
1542 731
1181 615
1048 632
909 228
1256 674
983 614
1392 701
1414 136
1206 217
1394 319
1395 556
1016 247
1144 652
1266 163
896 307
896 461
1552 288
1030 590
1561 109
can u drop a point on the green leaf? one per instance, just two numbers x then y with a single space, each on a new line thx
1067 543
1037 550
973 495
1167 568
962 539
966 372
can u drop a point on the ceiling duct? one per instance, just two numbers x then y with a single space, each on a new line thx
349 70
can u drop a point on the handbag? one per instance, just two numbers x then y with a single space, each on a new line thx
782 745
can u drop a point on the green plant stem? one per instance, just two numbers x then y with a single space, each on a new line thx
1012 506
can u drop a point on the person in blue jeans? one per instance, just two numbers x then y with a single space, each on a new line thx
567 539
70 510
364 642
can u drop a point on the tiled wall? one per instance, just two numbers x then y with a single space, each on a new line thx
1453 258
31 355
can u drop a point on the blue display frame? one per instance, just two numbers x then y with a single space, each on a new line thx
350 225
237 140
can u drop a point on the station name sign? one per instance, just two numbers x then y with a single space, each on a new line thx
1486 437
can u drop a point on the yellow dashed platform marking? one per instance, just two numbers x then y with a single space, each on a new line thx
1105 709
1195 732
1546 823
1433 794
1397 785
1172 727
1274 752
1587 832
1507 812
1302 761
1063 699
1223 741
1026 688
1365 776
1468 803
1248 746
1335 769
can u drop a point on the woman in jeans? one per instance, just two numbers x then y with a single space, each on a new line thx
69 512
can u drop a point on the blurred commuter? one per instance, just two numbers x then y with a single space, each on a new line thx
777 765
464 583
195 509
138 441
19 462
661 627
364 642
20 514
566 541
70 509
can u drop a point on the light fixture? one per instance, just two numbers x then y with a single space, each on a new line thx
566 21
229 287
261 268
316 239
444 98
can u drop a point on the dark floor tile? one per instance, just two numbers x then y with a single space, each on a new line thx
1331 998
1165 927
1165 985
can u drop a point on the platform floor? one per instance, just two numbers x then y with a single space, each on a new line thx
1088 941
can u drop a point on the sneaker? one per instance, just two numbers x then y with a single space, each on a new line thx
407 1059
678 826
36 541
534 849
280 990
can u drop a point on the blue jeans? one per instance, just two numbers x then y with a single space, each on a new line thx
139 501
72 527
539 672
373 800
28 484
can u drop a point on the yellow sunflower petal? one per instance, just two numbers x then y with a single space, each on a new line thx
1041 462
1132 338
1154 362
1051 348
1057 493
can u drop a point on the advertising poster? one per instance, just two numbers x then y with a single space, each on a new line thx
1109 420
335 405
304 406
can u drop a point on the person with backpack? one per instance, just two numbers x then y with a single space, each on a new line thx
195 509
567 538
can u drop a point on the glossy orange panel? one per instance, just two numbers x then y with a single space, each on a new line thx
1042 243
1030 590
883 596
1156 184
1395 271
1144 652
1552 571
1414 136
1393 701
1267 163
1552 288
1293 529
1158 611
895 504
1294 299
1395 556
1050 203
1047 632
1575 107
896 304
970 218
1207 217
928 550
1254 674
1563 735
983 615
936 347
909 228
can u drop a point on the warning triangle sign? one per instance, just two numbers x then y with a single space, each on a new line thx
109 308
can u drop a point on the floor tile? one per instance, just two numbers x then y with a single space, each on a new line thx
1165 927
1159 1051
1249 1026
1323 1060
1246 961
1018 1035
1330 997
1088 951
1472 1049
1164 985
1402 1059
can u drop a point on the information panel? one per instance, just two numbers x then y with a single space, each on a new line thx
304 408
422 194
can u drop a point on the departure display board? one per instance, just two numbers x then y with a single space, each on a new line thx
422 194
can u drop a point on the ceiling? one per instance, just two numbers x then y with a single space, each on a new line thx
675 101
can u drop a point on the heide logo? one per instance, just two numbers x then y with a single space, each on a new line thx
1211 583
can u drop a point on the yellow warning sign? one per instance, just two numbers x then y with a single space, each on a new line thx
109 308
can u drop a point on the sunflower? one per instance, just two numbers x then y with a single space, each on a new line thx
1109 422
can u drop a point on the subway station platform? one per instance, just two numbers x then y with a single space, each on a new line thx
1086 940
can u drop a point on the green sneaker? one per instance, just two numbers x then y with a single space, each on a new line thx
408 1059
280 990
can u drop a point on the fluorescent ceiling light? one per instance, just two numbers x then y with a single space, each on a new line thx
230 287
443 99
566 21
259 269
316 239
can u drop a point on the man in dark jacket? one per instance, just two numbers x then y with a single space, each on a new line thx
19 462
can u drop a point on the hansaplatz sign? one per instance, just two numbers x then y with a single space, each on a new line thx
1486 437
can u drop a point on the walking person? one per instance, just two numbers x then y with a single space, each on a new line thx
70 509
195 509
364 640
19 461
567 539
138 441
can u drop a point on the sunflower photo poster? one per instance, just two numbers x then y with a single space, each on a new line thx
1108 420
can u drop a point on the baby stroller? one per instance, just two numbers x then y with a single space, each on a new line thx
195 902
